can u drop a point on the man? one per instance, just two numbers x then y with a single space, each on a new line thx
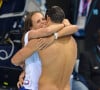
34 21
88 23
89 65
56 69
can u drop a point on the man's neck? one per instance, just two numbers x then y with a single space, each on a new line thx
52 23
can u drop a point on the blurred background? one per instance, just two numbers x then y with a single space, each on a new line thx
12 17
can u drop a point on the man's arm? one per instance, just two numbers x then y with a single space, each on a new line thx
43 32
69 30
66 28
32 46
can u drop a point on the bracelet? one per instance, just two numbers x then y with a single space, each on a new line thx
55 35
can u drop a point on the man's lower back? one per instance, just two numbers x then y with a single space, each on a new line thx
57 64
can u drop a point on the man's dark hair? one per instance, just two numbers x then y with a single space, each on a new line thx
56 14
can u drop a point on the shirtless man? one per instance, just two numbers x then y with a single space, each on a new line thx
58 59
56 69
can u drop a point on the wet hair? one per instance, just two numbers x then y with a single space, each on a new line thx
56 14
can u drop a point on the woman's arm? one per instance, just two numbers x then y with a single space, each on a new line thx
63 29
32 46
43 32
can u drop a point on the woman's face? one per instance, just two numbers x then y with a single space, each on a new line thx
38 21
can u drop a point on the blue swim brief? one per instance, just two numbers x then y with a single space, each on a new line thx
23 88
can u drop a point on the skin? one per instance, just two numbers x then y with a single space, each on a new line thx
56 69
38 21
42 43
36 24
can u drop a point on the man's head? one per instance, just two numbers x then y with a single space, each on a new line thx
34 20
56 14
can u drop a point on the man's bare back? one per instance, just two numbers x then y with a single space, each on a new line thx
57 64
